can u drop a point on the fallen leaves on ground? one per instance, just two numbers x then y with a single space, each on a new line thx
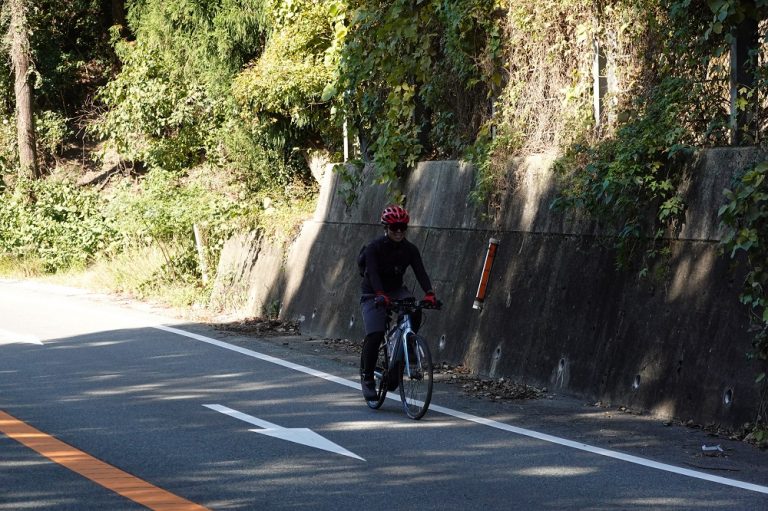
260 327
344 345
495 389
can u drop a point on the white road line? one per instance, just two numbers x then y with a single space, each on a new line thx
260 356
8 337
483 421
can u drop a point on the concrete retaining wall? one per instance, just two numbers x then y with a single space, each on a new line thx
558 312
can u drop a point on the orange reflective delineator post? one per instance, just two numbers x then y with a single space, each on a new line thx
493 245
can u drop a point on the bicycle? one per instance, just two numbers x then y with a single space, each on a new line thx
402 344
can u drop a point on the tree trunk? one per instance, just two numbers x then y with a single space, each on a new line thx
118 12
117 16
25 124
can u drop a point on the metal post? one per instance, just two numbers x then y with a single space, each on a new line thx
599 82
346 141
200 244
742 116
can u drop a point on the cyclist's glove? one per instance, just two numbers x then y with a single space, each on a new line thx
430 299
382 300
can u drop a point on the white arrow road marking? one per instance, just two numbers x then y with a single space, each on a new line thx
8 337
302 436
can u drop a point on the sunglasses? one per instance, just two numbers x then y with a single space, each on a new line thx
397 227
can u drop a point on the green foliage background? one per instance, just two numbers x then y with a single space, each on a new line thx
415 79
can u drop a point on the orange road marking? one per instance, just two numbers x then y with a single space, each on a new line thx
106 475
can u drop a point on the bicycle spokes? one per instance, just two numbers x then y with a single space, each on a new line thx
416 379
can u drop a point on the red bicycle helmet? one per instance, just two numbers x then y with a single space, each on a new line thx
394 215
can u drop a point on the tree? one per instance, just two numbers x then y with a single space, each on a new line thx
18 42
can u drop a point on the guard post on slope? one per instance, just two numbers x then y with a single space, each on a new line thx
490 255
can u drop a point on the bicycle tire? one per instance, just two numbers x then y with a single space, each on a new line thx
380 375
416 389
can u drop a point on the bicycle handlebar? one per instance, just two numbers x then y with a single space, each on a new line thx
411 305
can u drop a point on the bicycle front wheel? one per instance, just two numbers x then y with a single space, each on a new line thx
416 378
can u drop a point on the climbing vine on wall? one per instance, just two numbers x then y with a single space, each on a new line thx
630 183
547 100
745 217
414 78
627 175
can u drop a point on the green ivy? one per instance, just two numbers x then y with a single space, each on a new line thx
414 78
350 179
630 183
628 177
745 219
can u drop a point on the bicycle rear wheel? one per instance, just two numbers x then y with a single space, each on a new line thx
380 376
416 378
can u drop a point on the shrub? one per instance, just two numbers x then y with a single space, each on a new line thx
56 222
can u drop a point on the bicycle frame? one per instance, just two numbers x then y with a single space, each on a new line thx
402 331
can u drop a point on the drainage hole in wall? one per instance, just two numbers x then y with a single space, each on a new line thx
352 321
314 313
441 344
497 353
561 365
728 397
636 382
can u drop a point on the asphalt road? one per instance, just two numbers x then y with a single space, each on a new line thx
175 404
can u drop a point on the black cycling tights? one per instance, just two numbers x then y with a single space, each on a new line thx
370 353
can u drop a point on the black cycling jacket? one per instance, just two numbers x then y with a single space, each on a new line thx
386 262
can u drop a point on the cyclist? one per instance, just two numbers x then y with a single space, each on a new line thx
386 259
